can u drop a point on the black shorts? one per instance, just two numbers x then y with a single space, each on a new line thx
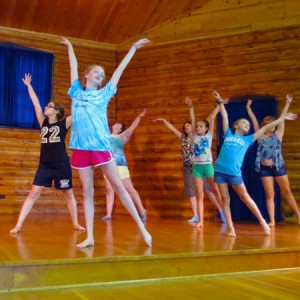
60 173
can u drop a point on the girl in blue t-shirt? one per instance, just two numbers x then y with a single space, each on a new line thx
90 136
229 163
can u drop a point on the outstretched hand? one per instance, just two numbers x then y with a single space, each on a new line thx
289 98
216 95
226 100
188 101
291 116
249 103
141 43
143 114
65 41
27 79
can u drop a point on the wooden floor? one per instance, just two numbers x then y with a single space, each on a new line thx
52 237
183 262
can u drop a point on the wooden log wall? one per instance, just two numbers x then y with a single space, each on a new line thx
20 148
159 78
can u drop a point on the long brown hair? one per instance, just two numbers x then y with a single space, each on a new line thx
61 110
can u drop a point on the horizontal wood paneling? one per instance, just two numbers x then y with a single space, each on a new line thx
160 77
219 18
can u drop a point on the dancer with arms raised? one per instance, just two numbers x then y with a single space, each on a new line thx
54 162
90 136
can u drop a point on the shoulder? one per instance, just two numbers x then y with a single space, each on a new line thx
108 88
76 85
62 122
249 138
45 122
228 132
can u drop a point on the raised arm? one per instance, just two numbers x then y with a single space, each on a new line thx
170 126
125 136
125 61
72 59
252 116
287 116
281 126
211 118
222 110
189 102
34 99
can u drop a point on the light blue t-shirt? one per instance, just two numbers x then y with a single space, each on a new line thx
231 156
118 152
90 129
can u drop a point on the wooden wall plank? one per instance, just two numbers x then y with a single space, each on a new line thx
219 18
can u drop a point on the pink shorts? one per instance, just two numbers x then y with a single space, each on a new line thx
82 159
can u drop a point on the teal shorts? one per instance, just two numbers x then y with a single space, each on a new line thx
203 170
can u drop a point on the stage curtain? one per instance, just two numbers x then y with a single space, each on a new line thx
16 106
262 106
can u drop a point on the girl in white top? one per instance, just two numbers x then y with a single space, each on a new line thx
202 160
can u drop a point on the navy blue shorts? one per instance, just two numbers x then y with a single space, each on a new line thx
230 179
60 173
271 171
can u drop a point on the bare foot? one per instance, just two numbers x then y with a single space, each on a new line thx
15 230
86 243
147 237
88 251
200 224
231 232
79 227
272 224
266 228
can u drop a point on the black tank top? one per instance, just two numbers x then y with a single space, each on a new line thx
53 148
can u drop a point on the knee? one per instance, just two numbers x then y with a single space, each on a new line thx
34 195
130 189
287 193
199 193
270 197
88 192
119 189
245 196
109 190
225 200
68 195
270 194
